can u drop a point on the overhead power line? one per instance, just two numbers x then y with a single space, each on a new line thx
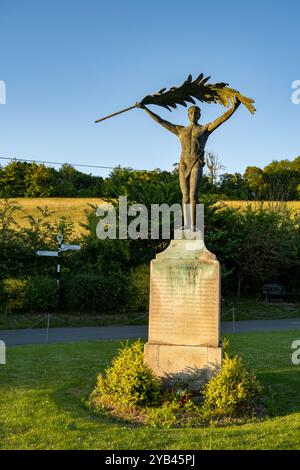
62 163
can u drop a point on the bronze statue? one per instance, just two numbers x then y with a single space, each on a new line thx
193 137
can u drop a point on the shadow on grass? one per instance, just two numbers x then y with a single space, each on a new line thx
282 398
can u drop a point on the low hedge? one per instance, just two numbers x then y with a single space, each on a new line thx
32 294
97 293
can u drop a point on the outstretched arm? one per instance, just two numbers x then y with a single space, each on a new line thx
166 124
212 126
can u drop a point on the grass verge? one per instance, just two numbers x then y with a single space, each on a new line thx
42 387
245 309
57 320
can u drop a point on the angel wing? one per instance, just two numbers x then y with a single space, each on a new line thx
218 93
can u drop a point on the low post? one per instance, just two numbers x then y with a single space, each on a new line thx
59 249
233 319
48 326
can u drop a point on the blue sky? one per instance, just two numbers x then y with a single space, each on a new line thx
66 63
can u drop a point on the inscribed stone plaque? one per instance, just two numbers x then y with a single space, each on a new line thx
184 302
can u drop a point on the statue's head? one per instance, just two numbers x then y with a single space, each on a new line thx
194 114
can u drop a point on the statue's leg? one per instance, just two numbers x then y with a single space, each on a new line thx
195 181
184 186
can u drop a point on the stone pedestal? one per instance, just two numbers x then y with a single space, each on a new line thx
184 322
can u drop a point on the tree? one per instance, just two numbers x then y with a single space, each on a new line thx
268 250
214 166
12 179
283 178
40 181
67 177
232 185
295 165
254 184
19 179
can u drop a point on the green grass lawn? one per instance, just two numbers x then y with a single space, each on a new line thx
249 308
57 320
246 308
41 389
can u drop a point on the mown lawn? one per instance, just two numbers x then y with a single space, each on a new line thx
249 308
61 319
41 389
246 308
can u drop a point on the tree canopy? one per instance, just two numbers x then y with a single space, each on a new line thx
279 180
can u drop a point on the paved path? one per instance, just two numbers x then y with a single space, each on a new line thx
67 335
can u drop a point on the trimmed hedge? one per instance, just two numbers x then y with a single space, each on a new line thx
32 294
96 293
140 284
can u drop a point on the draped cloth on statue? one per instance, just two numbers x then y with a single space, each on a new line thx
189 165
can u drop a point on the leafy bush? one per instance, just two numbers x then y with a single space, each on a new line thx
140 284
82 293
130 391
16 259
253 247
13 295
233 390
268 250
128 382
41 294
36 293
173 414
165 416
96 293
176 409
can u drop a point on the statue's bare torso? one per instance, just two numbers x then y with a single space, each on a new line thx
193 139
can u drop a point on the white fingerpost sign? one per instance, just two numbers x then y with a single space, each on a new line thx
47 253
69 247
60 248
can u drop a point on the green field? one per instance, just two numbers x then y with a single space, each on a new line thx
75 207
293 206
42 386
60 207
